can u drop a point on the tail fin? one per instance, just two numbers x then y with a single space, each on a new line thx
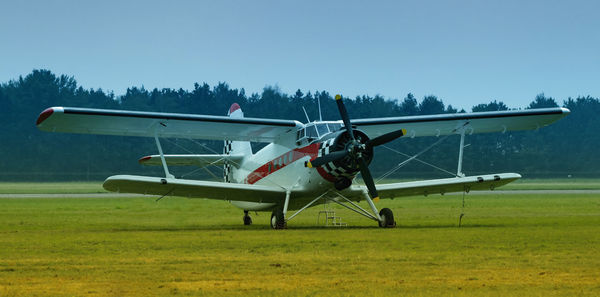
238 148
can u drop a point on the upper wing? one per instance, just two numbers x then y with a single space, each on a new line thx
192 160
137 123
439 186
477 122
193 188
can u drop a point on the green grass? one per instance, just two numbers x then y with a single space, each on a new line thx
509 245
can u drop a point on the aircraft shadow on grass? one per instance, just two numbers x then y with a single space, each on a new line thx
234 227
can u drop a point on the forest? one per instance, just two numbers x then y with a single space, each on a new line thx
568 148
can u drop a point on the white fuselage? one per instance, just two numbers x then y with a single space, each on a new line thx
281 166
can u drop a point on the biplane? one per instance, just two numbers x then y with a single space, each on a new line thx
302 165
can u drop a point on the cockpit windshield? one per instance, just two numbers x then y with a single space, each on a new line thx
322 129
334 127
316 130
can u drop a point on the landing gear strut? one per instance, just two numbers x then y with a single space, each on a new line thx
387 218
247 218
277 219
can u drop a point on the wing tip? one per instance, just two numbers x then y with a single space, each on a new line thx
44 115
144 159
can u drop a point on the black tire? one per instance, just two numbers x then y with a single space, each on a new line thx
277 220
387 218
247 220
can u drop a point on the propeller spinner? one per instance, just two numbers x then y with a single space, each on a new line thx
356 150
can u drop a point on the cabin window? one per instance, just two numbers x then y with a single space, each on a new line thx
300 134
280 162
291 158
269 167
285 159
311 132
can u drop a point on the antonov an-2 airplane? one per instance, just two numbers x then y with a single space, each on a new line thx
303 164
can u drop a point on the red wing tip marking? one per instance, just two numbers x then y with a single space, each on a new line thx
233 108
44 115
144 159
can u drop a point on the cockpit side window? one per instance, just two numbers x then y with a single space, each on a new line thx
311 132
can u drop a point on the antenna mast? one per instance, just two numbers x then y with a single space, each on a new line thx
319 102
306 114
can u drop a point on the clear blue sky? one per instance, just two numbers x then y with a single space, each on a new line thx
464 52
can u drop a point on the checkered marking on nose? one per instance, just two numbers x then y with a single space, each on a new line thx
331 168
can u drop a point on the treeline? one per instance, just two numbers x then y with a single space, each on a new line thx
567 148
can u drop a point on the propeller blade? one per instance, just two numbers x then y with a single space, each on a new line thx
385 138
366 176
333 156
344 115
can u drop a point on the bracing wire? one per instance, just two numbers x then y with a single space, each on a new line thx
419 160
267 178
403 163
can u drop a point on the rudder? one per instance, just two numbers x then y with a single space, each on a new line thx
239 148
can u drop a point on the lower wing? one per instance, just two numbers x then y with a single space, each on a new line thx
438 186
193 188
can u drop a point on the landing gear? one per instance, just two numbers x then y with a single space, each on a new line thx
277 220
387 218
247 218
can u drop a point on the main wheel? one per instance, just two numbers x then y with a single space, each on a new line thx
277 220
387 218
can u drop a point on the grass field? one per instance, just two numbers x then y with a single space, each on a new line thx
509 245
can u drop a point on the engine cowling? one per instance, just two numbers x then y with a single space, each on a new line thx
345 169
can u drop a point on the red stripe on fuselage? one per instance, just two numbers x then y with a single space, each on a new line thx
278 163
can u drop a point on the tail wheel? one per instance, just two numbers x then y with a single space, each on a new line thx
247 220
277 220
387 218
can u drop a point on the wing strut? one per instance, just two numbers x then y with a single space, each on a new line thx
459 172
372 205
162 156
286 203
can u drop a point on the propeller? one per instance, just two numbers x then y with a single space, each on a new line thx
385 138
355 149
333 156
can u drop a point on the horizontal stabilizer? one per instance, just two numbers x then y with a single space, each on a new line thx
193 188
192 160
